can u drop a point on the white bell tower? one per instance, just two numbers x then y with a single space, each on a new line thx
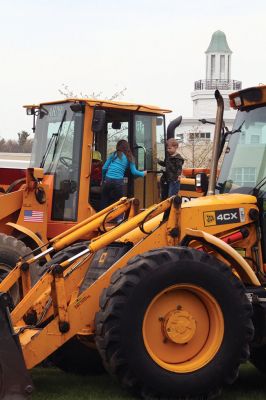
218 76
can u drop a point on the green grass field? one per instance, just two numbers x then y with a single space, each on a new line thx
52 384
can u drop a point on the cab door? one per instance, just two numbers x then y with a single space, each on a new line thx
148 145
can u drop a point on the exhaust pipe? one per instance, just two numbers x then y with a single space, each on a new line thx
216 142
172 126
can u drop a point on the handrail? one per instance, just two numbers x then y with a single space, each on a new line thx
221 84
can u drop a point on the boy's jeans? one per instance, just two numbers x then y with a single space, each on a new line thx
173 188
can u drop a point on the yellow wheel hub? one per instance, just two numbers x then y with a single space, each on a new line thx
179 326
183 328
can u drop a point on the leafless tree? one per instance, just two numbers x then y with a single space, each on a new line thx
196 149
22 145
69 93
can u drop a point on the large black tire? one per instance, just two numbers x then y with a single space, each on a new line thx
11 249
77 358
125 338
258 358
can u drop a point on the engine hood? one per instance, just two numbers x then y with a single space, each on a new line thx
221 199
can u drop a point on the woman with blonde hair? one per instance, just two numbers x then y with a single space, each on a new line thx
114 171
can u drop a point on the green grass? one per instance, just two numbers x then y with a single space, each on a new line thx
52 384
250 385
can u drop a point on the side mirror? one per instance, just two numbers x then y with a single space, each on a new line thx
30 110
201 182
116 125
99 120
159 121
77 107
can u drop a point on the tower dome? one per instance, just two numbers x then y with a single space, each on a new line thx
217 76
218 58
218 43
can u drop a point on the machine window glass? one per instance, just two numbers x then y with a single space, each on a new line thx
148 140
244 176
160 138
254 139
57 149
242 138
116 132
148 145
117 128
145 134
66 130
244 164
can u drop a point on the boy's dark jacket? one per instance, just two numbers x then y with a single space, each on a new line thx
173 167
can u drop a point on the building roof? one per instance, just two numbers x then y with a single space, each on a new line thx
218 43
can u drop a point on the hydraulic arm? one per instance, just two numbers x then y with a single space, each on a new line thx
54 309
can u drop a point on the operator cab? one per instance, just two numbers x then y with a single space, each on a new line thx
244 165
68 134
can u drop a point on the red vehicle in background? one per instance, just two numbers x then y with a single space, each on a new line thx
13 170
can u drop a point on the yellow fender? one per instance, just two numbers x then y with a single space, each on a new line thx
243 269
32 235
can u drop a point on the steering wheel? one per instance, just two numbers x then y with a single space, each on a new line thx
66 161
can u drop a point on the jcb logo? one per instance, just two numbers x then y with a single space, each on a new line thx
209 218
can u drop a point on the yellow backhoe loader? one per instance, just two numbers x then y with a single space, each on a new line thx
173 298
59 189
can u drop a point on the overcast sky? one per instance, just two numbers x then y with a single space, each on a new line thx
154 48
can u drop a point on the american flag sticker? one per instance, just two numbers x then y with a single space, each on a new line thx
33 216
